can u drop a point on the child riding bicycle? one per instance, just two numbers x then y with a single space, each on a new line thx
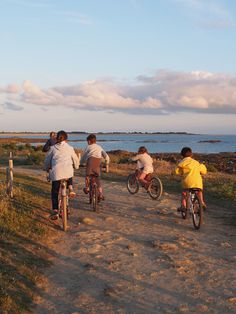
92 156
60 160
144 165
192 172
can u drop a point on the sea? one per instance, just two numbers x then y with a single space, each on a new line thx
155 143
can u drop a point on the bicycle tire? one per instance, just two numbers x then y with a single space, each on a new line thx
132 184
155 189
94 198
64 213
197 215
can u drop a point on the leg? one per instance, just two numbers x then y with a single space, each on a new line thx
100 190
86 187
142 179
200 194
183 201
70 187
54 196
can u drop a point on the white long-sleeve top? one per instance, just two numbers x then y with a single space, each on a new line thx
144 161
94 150
62 160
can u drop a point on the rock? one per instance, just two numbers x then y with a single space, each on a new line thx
109 292
225 244
232 300
86 220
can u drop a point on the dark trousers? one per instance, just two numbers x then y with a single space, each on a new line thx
55 191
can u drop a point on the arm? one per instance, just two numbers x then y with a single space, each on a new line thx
47 161
135 158
75 159
178 170
105 156
46 146
203 169
84 157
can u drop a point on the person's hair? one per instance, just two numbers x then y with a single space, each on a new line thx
142 150
51 133
186 152
91 138
61 136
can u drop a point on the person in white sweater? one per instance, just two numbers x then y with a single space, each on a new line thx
92 156
144 165
61 161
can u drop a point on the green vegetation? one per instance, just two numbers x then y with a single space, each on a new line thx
23 154
22 227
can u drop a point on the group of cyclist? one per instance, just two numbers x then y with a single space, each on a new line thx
61 160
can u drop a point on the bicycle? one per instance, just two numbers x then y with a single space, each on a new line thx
194 207
63 204
155 187
93 191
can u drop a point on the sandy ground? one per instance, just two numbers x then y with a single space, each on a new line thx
137 255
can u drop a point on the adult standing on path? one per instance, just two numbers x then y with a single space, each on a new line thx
50 142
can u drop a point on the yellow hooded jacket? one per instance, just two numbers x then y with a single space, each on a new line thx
191 170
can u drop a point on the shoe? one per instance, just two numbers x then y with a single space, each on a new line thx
86 190
181 209
54 215
72 194
204 207
101 198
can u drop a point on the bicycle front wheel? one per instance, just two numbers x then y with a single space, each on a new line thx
197 214
155 188
132 184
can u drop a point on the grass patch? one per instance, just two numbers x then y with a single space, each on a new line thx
22 256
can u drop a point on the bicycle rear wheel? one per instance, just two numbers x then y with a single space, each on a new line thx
197 214
94 197
155 188
132 184
64 213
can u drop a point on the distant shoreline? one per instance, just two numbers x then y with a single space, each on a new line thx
102 133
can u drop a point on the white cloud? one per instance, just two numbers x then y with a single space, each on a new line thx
162 93
208 13
75 17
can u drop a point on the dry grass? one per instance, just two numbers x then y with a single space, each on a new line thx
22 257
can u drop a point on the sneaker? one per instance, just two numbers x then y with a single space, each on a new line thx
101 198
181 209
86 190
72 194
54 215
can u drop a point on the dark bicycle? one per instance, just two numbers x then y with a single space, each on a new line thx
194 207
93 191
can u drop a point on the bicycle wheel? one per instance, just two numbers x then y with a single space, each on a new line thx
197 215
94 197
155 188
64 213
132 184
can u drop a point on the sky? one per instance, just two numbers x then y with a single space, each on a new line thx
118 65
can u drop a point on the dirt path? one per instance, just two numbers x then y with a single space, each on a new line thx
138 256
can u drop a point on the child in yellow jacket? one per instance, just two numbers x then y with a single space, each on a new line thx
192 171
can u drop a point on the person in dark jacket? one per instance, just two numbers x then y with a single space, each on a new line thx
50 142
